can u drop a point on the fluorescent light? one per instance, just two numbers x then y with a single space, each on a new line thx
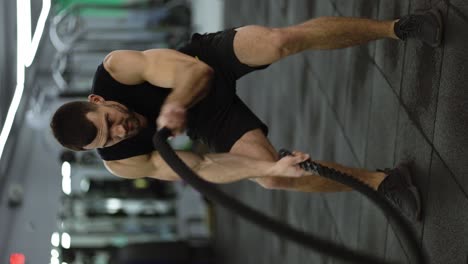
84 185
38 33
66 177
113 204
66 169
54 253
66 240
66 185
55 239
11 113
26 51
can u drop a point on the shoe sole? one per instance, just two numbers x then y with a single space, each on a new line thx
438 16
415 193
405 171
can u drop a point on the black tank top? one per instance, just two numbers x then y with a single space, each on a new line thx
147 99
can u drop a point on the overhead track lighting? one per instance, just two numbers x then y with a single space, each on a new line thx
26 51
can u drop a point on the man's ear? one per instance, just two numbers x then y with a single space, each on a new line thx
95 99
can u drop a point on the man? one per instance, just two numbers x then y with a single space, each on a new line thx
135 93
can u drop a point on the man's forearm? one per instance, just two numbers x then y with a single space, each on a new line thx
226 168
218 168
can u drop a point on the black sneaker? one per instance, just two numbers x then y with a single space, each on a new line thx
398 188
427 27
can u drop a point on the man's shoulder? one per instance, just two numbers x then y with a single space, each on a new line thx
131 168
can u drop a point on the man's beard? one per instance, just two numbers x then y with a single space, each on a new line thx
132 123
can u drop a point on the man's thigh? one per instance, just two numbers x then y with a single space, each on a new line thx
258 45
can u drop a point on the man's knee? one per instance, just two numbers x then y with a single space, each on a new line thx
258 45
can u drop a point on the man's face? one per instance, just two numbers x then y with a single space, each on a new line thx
114 122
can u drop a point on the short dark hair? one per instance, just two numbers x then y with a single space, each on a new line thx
70 126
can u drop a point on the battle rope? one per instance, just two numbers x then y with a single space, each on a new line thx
283 229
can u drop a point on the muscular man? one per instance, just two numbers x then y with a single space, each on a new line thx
137 92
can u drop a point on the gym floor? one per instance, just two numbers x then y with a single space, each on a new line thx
370 106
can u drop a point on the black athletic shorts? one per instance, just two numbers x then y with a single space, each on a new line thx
221 118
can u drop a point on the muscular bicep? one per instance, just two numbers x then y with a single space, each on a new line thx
159 67
151 165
